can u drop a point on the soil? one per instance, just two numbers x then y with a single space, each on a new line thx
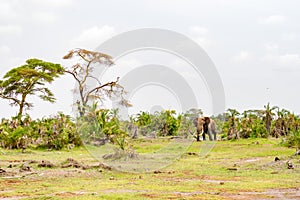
72 168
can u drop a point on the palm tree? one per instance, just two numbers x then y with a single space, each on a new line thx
232 132
268 116
280 126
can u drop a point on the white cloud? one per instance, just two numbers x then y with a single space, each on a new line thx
4 49
52 3
45 17
10 60
273 19
10 30
271 47
242 56
6 10
92 37
290 59
199 30
286 60
289 36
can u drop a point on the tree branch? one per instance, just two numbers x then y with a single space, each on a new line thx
111 84
10 98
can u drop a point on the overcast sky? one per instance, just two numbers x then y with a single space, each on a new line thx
253 44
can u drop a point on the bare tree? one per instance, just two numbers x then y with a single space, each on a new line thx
82 73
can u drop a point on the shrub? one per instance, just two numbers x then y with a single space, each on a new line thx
293 139
52 133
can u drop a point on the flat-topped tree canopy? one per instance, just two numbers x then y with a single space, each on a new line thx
29 79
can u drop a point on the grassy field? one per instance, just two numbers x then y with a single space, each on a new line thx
243 169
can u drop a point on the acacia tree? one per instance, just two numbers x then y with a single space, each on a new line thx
27 80
82 73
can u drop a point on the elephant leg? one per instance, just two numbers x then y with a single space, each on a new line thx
209 135
215 135
198 136
203 135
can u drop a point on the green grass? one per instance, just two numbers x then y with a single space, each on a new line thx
187 177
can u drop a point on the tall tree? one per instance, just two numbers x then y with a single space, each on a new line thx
268 117
82 73
29 79
233 120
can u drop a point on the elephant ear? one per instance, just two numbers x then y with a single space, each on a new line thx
207 120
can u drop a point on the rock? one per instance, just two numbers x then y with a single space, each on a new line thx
108 156
289 165
175 137
104 166
192 153
2 171
276 159
157 172
111 178
30 161
45 164
297 153
70 162
275 172
25 168
222 183
232 168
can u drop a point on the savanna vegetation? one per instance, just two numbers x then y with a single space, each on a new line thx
45 158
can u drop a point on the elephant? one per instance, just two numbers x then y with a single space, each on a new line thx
205 125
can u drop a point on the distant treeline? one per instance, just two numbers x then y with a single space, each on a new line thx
99 126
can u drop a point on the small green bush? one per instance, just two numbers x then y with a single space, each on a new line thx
293 139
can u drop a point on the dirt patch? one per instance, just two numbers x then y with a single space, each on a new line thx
251 160
275 194
73 194
45 163
70 162
70 167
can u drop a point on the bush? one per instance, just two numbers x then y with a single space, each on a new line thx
99 126
293 139
52 133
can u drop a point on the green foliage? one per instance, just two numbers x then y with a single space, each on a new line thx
52 133
231 123
13 135
27 80
170 123
56 132
261 123
99 126
293 139
164 123
143 119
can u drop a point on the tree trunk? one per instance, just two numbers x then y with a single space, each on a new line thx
21 107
